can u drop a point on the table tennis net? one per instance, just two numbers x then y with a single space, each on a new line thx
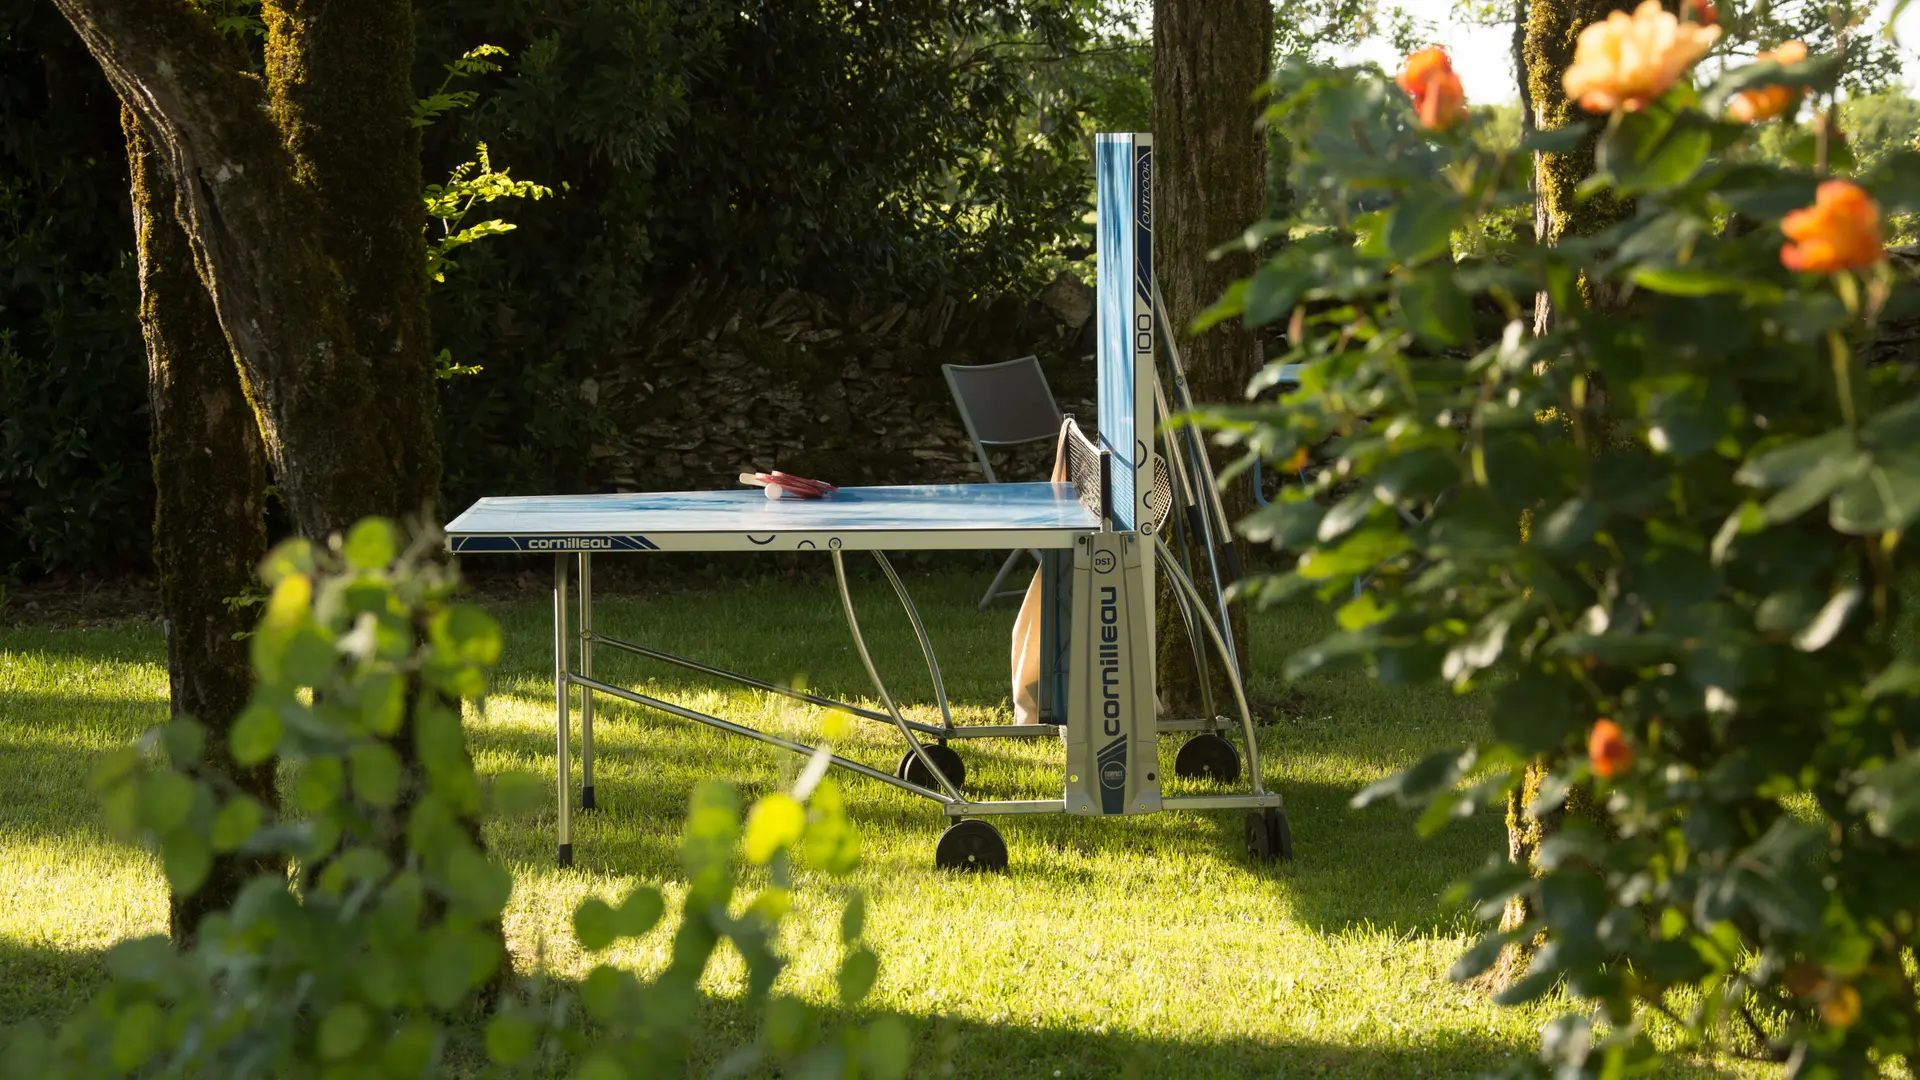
1090 471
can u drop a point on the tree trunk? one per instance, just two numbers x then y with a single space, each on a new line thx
300 201
1553 28
1210 161
344 429
1547 48
210 480
339 74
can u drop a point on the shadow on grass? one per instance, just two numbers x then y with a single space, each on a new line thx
46 984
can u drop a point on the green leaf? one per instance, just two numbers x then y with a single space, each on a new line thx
1271 294
344 1031
382 702
854 918
1815 487
509 1039
1900 677
1688 281
1560 140
466 633
1785 464
308 660
1436 308
1889 796
255 735
371 544
1884 498
376 773
236 822
1419 229
889 1048
476 881
1832 618
1232 302
858 973
773 825
601 1067
1361 612
1480 956
320 784
186 741
1649 152
288 558
1534 712
1570 525
166 798
136 1035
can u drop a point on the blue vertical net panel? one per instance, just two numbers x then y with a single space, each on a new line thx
1114 292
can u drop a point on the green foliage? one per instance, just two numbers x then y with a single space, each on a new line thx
851 149
75 484
382 954
1682 511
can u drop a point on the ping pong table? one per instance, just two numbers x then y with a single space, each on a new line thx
1098 535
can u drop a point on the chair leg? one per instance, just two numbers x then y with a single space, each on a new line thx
1006 568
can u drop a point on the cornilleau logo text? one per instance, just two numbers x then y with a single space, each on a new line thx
569 543
1109 653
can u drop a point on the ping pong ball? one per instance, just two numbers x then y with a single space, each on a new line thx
773 491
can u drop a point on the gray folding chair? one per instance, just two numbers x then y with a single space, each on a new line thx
1005 404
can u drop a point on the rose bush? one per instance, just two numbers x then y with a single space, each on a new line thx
382 955
1662 531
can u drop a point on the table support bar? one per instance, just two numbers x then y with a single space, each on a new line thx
860 646
729 726
563 737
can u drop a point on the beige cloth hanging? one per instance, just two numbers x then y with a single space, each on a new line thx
1026 625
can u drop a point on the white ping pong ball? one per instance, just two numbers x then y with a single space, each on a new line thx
773 491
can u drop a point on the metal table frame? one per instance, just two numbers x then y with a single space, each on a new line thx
955 805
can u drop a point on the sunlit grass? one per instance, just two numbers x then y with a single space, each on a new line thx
1146 946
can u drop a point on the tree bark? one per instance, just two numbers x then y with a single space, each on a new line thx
1547 48
210 479
1210 183
299 200
1553 28
333 417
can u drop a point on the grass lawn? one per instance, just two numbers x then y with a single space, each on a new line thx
1140 947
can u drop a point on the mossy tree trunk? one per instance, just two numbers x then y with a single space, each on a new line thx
301 238
298 197
1547 47
1552 29
210 484
1210 161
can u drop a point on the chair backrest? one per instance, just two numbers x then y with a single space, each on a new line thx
1004 404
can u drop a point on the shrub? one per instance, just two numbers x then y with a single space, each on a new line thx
1663 532
382 955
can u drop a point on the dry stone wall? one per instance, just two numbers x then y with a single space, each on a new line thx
853 397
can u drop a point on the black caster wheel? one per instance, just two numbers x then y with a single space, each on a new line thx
1208 756
941 755
971 845
1268 836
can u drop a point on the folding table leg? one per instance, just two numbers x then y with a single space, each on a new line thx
586 668
562 735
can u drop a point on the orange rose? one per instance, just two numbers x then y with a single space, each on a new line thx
1763 103
1703 12
1841 1007
1438 98
1612 754
1840 231
1626 61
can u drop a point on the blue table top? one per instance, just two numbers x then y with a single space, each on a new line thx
939 515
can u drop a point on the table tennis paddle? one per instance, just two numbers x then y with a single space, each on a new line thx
781 485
